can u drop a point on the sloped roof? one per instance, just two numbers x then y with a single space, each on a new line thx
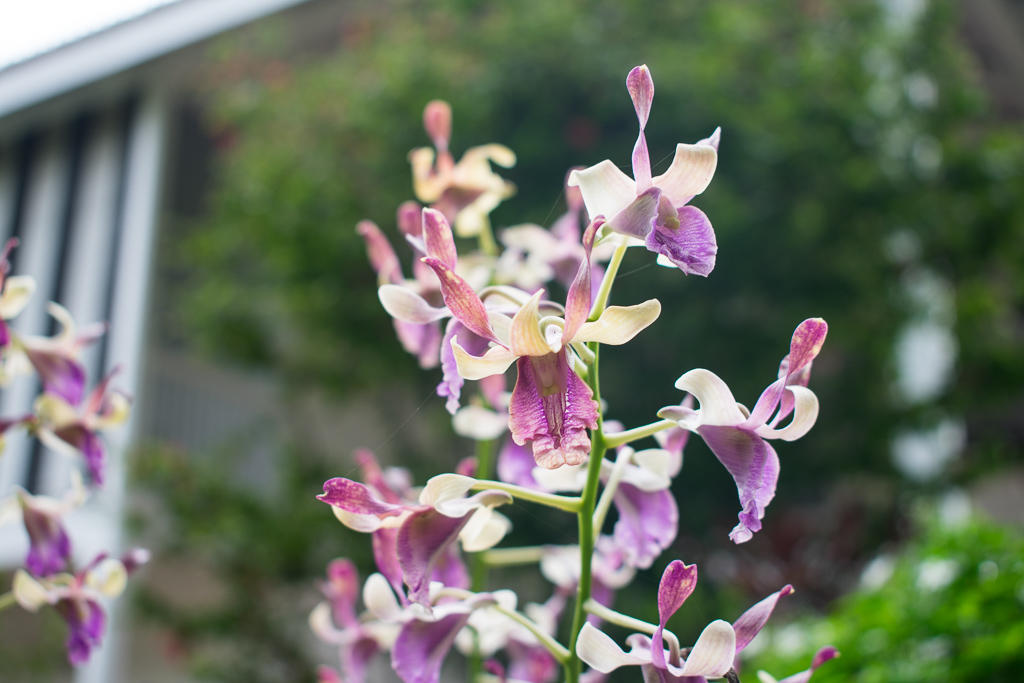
125 45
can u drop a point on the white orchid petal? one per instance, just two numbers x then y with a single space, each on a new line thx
379 598
29 593
479 423
712 655
408 306
484 530
444 488
618 324
690 173
364 523
322 626
717 404
606 190
17 291
805 413
108 578
600 652
494 362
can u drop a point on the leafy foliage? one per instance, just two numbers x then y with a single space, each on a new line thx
950 611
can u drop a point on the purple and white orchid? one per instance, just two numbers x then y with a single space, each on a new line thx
76 597
551 406
738 437
680 234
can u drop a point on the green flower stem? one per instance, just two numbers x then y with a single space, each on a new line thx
618 618
478 567
477 564
566 503
553 646
606 284
508 557
617 439
586 514
610 487
7 600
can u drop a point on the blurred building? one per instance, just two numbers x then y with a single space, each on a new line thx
102 152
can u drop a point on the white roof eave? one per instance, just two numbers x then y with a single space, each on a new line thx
125 45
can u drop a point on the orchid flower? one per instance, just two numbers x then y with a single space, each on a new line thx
15 293
412 304
823 655
359 640
680 234
76 598
75 431
427 529
49 545
713 654
737 437
550 405
465 192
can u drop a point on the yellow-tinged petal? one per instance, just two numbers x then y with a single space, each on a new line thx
29 593
525 338
494 362
108 578
618 324
17 291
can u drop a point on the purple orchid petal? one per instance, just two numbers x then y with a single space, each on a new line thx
516 463
531 663
461 300
688 242
641 90
677 583
5 334
352 496
451 381
325 674
421 647
578 300
450 569
437 236
437 121
342 590
422 341
647 525
806 343
356 657
422 540
409 218
382 257
385 556
60 374
638 219
89 444
753 620
754 466
823 655
552 407
86 622
49 546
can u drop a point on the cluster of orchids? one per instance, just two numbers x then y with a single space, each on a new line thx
548 442
68 420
